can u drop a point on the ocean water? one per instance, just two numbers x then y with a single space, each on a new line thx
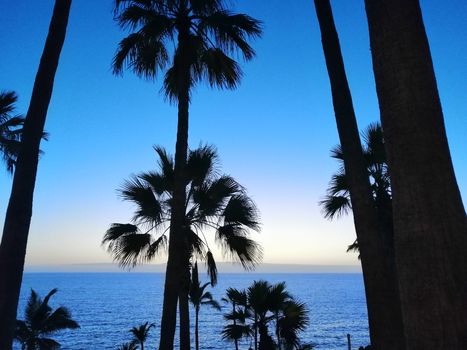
107 305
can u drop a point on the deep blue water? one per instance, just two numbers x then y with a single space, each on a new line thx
107 305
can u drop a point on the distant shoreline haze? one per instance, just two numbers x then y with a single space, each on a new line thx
222 267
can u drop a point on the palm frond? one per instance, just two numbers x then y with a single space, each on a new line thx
117 230
144 57
201 164
210 197
149 208
234 243
7 104
294 320
232 332
47 344
130 249
335 206
231 31
241 210
58 320
212 268
156 247
212 303
220 70
196 244
159 183
166 162
206 7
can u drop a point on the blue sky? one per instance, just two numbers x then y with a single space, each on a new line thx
273 133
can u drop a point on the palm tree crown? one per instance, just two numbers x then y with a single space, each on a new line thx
264 305
41 322
337 200
140 333
213 202
205 32
11 126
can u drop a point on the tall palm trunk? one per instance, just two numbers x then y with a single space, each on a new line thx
384 315
177 278
429 218
19 212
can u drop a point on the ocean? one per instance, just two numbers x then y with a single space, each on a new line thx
107 305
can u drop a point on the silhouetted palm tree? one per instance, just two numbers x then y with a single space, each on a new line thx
19 212
337 199
141 333
213 202
41 322
273 304
10 129
199 297
238 316
204 33
383 303
430 224
292 319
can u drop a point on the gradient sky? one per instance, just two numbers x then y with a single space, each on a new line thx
273 134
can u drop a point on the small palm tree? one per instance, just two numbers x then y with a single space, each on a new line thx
271 304
141 333
41 322
337 200
238 329
11 126
199 297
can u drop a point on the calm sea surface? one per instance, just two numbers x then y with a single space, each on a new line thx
107 305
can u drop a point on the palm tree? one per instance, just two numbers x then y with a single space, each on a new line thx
19 212
141 333
430 224
238 316
213 202
204 33
10 129
337 200
41 322
278 297
199 297
268 304
292 319
383 303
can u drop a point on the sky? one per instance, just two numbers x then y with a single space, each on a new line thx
273 133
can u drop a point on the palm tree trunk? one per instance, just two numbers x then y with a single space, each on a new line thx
256 331
19 212
184 320
235 323
384 315
177 265
196 328
142 345
430 226
277 331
